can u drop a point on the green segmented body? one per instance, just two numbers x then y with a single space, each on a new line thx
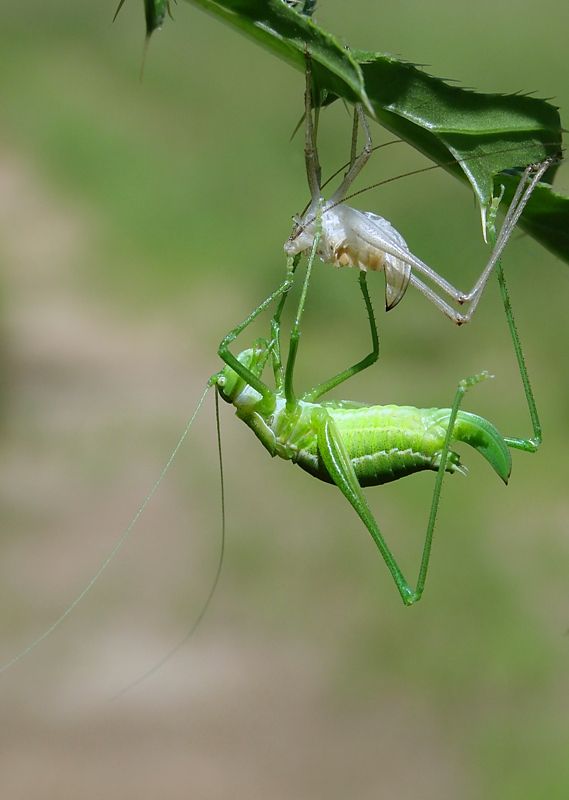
383 443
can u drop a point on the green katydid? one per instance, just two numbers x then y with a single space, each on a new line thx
349 444
344 443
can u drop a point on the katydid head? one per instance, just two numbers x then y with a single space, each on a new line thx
302 234
225 382
328 219
229 384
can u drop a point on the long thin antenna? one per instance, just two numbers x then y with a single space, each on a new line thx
188 635
121 541
347 164
442 164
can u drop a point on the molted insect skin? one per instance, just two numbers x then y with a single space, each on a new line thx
351 238
384 443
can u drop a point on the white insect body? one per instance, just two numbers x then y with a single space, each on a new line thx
351 238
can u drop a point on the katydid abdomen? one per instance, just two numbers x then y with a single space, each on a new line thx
383 443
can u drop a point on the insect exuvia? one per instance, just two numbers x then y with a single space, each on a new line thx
352 238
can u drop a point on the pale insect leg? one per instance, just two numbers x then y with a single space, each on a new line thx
356 164
512 217
340 468
354 143
526 444
369 232
455 316
313 171
513 214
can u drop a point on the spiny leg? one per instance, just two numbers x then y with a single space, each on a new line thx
528 445
295 330
226 355
340 468
336 460
354 143
276 327
366 362
532 175
463 386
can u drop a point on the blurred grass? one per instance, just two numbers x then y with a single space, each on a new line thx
182 188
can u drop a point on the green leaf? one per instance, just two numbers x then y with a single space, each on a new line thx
290 34
486 133
473 136
154 14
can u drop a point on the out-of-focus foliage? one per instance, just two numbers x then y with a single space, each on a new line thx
154 14
138 223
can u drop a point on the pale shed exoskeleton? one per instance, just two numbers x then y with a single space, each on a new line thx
352 238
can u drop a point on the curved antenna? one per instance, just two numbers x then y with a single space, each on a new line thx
418 171
214 584
409 174
121 541
442 164
347 164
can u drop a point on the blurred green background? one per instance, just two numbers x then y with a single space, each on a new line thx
138 223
